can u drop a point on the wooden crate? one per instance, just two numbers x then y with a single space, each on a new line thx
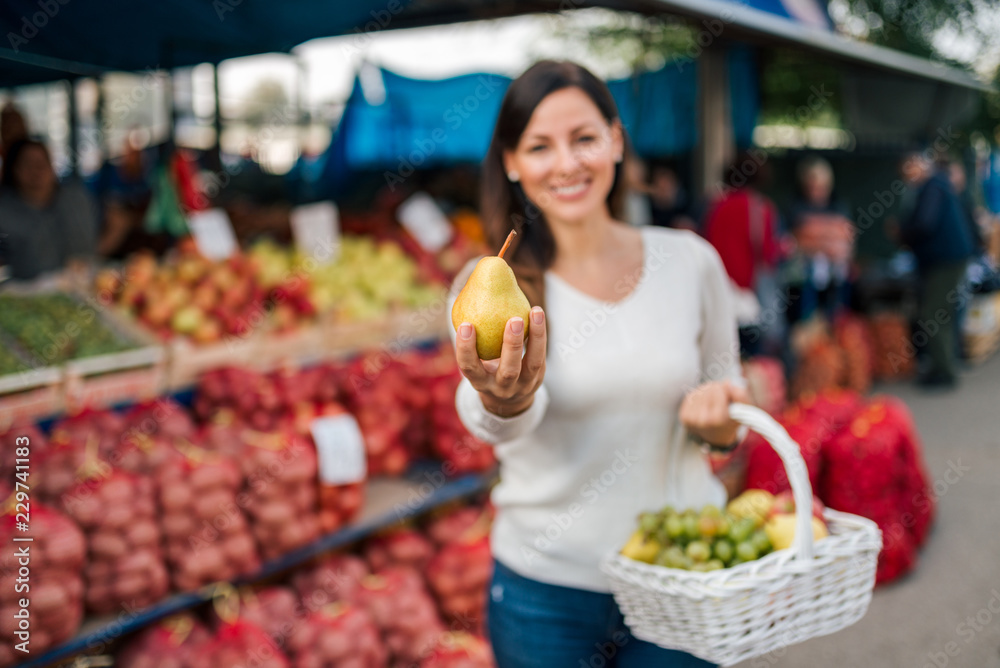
187 361
106 380
30 395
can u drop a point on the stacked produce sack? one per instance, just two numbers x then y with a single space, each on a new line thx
874 468
460 571
450 441
281 487
176 642
118 514
206 534
894 354
404 613
55 589
854 338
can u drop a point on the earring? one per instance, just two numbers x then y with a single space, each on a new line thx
513 176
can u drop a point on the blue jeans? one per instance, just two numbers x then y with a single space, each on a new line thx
538 625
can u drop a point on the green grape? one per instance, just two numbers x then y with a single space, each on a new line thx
674 527
761 542
746 551
725 524
698 551
691 529
741 530
648 523
723 550
714 565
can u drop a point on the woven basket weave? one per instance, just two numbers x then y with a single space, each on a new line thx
729 615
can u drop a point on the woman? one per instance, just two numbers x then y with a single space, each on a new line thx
592 425
43 225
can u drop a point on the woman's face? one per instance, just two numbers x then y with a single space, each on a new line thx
33 174
566 157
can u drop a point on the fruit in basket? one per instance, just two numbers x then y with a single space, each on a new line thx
489 299
641 548
780 530
704 540
784 504
754 504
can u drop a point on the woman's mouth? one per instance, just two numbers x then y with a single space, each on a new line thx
571 192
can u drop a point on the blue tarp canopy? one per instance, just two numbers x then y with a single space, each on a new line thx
405 124
45 40
135 36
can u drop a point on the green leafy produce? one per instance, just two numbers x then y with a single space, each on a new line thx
55 328
9 362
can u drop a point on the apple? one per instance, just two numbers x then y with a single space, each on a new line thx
205 296
187 319
208 331
784 504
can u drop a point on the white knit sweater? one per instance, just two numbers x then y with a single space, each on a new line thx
602 440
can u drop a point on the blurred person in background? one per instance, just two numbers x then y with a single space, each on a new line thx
670 203
638 205
124 189
824 235
743 225
936 230
13 128
972 213
43 224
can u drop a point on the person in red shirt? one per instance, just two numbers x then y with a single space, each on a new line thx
742 225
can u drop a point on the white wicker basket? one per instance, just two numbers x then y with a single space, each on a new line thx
729 615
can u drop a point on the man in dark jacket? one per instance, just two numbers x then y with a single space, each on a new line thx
936 230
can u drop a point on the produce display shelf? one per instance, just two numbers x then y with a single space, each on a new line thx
387 502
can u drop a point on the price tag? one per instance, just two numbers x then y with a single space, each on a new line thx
316 228
423 218
341 449
213 233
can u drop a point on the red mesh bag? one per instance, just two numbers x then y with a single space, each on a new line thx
55 589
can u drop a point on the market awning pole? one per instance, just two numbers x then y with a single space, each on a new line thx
74 129
218 113
301 103
715 121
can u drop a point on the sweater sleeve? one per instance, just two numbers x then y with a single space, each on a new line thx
481 423
719 344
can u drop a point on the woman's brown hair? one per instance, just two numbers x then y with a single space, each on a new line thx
504 205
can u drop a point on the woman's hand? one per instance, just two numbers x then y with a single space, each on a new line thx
507 385
705 411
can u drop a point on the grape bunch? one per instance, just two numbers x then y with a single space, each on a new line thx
705 540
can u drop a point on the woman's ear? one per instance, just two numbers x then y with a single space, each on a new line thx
508 162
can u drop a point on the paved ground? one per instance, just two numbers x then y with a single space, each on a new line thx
917 621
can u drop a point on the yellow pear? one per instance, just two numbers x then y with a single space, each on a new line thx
780 530
489 299
641 548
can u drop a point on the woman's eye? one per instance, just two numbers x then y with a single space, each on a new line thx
586 138
536 148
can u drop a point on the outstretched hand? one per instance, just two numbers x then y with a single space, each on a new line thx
506 385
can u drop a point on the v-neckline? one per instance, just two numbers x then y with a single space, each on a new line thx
601 302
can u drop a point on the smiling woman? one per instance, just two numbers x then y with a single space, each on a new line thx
589 437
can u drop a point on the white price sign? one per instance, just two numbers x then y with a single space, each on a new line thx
423 218
341 449
213 233
316 228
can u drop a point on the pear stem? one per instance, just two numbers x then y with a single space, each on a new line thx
506 243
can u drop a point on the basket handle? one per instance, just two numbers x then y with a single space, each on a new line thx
795 466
